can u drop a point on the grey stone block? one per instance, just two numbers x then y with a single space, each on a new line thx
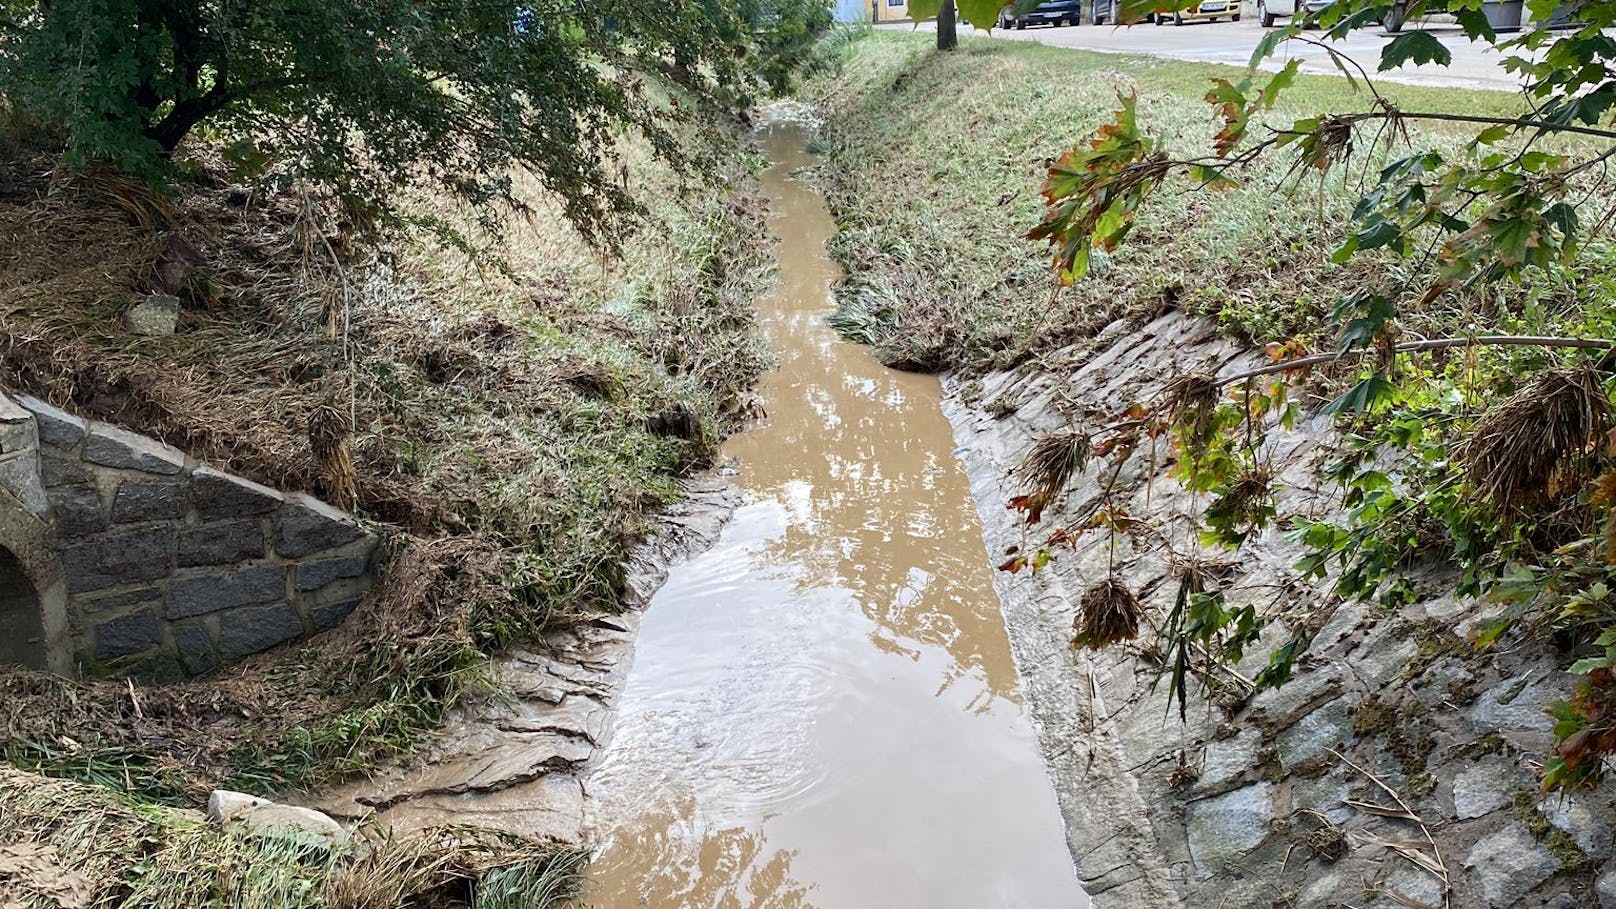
92 605
314 575
56 426
78 512
1508 864
127 634
19 475
220 495
1223 828
196 650
114 559
305 525
220 544
55 470
17 432
252 629
211 593
153 315
110 446
136 502
329 617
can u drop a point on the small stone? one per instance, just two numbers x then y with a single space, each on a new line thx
78 512
221 495
1483 789
1223 828
1589 825
329 617
253 629
1508 864
114 559
127 634
56 426
306 525
136 502
196 650
110 446
314 575
220 544
153 316
210 593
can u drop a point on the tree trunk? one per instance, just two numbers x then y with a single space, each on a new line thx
947 38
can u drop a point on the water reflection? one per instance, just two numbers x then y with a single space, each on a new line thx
823 710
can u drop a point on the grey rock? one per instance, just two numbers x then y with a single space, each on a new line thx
1590 825
220 495
1223 828
17 430
329 617
196 650
114 559
1605 887
1224 761
109 602
220 543
56 426
1508 864
211 593
136 502
305 525
252 629
19 476
1294 696
1521 713
78 512
1413 883
227 804
153 316
57 470
1327 795
314 575
127 634
1484 788
1308 739
110 446
302 825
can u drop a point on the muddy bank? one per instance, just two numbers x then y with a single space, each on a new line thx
516 762
1257 804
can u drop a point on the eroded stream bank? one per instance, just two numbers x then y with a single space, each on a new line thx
823 709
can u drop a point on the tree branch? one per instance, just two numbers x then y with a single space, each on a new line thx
1432 344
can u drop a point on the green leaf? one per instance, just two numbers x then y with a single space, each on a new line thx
1271 41
1415 47
1590 664
920 10
983 14
1363 397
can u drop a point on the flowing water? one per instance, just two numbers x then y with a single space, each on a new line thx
823 711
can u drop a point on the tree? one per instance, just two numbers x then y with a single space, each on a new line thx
362 96
947 39
1520 494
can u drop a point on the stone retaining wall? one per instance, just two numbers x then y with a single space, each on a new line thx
159 564
1277 800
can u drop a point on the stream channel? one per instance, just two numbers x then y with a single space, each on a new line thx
823 710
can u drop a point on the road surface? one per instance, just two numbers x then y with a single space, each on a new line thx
1474 65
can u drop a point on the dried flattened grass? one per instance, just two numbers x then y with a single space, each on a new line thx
1542 443
1108 614
1053 461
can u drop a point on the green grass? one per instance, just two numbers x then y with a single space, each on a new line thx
935 165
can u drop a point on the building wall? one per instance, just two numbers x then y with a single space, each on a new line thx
167 566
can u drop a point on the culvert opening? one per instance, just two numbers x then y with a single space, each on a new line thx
22 627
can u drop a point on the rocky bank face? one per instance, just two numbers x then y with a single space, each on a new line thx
1397 768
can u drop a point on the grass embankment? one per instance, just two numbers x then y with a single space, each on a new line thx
513 408
936 161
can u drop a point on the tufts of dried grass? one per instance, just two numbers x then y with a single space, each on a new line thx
1191 398
1108 614
1542 443
1053 461
72 846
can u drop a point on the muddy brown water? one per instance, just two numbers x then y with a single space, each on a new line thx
823 710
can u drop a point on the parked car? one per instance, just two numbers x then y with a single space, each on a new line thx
1057 12
1271 11
1210 10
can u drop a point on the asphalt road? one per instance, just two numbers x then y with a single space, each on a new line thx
1474 65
